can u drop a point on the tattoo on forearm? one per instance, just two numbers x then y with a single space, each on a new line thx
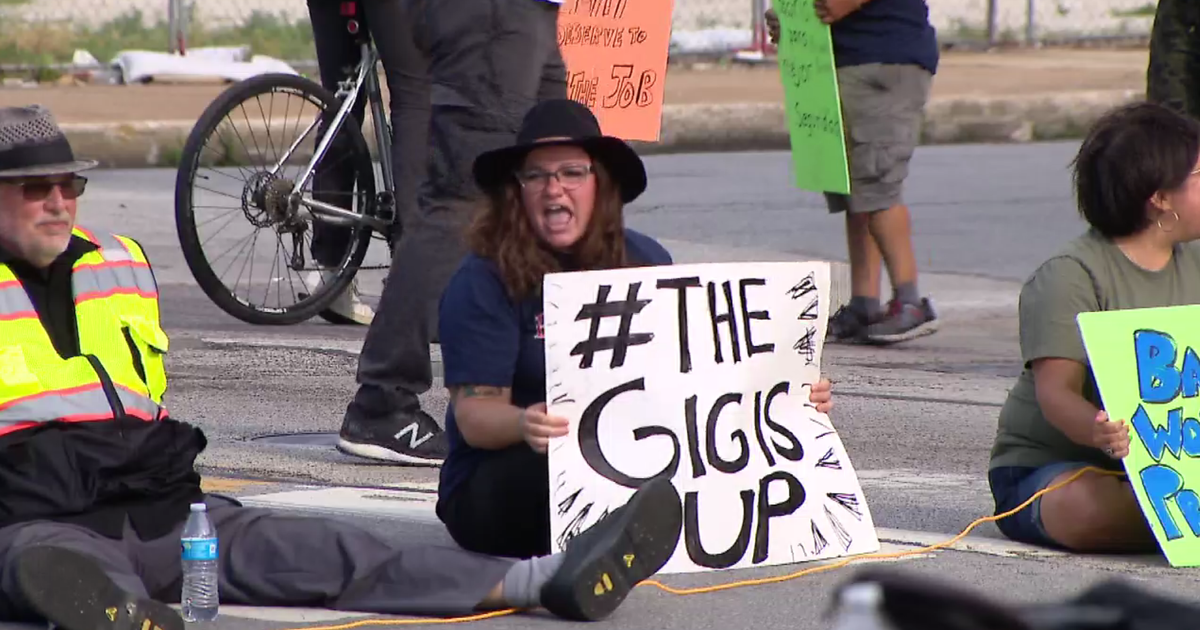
479 391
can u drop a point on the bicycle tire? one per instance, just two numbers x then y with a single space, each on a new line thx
193 254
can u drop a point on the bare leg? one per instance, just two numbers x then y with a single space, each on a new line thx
865 259
891 229
1096 514
908 315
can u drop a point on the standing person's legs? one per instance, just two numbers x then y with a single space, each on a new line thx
487 61
1173 75
883 107
42 579
394 29
333 181
554 72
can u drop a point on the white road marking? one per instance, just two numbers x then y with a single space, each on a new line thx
352 501
908 479
978 544
349 346
289 615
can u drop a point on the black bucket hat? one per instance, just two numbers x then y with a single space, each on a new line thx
32 145
564 122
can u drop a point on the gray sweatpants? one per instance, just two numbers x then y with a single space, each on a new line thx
490 61
272 559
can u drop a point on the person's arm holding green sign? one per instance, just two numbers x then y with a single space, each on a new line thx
1059 383
829 11
811 91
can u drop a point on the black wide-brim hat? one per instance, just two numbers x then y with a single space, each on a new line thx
32 145
564 122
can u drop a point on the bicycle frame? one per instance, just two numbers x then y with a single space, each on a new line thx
349 92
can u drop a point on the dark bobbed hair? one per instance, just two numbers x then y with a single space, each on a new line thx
1130 154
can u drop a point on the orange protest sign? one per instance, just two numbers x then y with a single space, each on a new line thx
616 57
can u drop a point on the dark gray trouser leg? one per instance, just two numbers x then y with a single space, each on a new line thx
274 559
334 177
553 83
490 61
111 555
394 29
392 24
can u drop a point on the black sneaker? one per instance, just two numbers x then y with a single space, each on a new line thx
846 325
605 562
412 437
72 592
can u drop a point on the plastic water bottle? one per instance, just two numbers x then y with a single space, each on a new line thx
860 608
199 554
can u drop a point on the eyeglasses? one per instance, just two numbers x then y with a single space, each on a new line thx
569 177
39 189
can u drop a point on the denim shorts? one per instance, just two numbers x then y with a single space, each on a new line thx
1012 486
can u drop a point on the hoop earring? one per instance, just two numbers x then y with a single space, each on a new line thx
1160 225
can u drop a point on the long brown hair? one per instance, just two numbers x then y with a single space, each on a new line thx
501 232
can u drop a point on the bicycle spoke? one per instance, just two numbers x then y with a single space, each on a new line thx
231 211
250 130
289 275
271 277
231 220
250 260
223 157
217 192
270 142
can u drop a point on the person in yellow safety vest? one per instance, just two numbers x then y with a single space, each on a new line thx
97 478
122 375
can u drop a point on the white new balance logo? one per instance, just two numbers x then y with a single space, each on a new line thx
413 439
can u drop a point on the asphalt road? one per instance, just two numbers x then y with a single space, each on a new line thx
917 420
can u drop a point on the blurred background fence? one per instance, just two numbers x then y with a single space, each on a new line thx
50 34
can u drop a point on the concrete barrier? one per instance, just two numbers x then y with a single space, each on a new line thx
687 128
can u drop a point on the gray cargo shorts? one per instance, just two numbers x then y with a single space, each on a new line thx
883 106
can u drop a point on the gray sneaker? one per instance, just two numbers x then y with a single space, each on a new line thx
903 322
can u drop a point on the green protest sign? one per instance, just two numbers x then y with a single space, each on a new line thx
810 88
1148 373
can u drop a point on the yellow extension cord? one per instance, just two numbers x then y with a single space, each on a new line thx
742 583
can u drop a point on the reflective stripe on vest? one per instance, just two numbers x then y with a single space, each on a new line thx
117 273
116 301
14 302
80 404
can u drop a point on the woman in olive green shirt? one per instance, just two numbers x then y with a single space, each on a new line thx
1137 185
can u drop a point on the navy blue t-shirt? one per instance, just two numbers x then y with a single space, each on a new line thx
886 31
487 339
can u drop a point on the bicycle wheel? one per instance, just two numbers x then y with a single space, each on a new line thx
259 193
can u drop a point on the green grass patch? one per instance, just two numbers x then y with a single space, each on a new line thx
1146 10
41 44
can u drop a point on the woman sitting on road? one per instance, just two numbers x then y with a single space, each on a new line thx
1137 185
554 202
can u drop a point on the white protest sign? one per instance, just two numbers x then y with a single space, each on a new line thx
701 372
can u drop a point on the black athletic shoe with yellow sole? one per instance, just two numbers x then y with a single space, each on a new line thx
604 563
71 591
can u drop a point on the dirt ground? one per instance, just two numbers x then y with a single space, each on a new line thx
960 74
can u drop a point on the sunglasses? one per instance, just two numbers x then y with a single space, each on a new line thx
39 189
